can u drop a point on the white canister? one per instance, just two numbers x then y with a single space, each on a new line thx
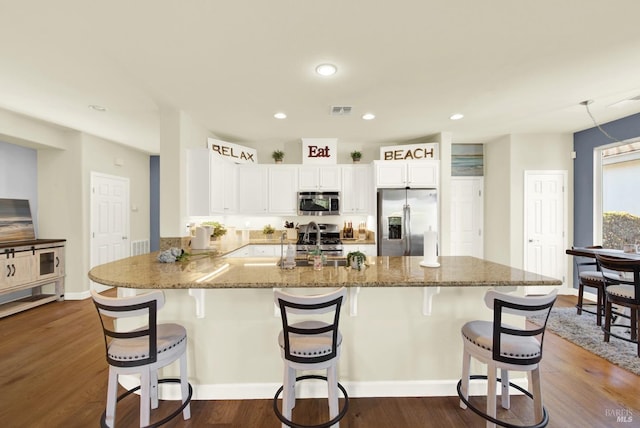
201 240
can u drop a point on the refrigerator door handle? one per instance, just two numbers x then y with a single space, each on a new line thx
407 230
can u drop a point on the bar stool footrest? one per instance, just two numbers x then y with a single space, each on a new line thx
103 423
541 424
292 424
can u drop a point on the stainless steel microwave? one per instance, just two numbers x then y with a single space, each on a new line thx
318 203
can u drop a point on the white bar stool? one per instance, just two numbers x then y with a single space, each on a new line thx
144 351
310 344
505 347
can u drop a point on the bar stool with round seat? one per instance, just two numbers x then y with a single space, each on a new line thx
623 289
506 347
589 275
310 344
143 351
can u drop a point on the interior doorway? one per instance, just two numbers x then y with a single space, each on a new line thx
545 225
109 235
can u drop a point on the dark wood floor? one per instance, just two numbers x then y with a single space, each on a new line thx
53 374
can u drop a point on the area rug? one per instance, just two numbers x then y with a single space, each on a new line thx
583 331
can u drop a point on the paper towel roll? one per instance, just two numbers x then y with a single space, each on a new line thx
430 249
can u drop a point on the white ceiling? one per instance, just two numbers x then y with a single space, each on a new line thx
510 66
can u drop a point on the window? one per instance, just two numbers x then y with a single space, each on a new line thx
619 216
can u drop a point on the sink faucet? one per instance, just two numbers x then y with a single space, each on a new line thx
305 237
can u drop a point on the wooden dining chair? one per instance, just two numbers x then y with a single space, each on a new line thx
589 275
622 277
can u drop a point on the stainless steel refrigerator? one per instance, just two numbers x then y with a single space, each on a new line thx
403 217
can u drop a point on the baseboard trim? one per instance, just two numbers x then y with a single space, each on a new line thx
77 296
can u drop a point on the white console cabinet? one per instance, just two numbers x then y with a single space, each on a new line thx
37 266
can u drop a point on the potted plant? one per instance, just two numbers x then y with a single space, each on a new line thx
217 229
356 260
277 156
356 156
269 231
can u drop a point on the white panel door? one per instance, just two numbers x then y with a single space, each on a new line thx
545 225
467 216
109 220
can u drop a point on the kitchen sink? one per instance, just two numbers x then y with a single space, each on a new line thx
329 262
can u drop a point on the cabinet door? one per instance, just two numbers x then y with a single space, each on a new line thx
422 174
50 263
223 187
283 185
319 178
241 252
330 178
253 189
391 174
357 190
17 269
366 249
308 178
265 250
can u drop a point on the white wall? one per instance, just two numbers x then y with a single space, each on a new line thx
506 160
61 175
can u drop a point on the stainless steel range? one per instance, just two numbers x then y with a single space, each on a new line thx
324 234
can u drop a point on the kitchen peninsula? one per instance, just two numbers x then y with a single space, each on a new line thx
390 347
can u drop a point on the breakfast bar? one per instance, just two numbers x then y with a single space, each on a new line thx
402 337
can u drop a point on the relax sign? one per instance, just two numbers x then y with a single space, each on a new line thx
232 152
410 152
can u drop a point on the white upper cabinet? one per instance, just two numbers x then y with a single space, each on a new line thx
283 188
211 184
407 174
357 189
253 189
224 187
319 178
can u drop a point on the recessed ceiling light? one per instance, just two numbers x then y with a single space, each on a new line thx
326 69
368 116
97 107
280 115
456 116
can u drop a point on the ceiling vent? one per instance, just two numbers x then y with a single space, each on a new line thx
341 110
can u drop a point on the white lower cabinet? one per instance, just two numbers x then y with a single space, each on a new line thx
366 249
256 250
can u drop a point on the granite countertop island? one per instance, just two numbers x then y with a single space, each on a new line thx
213 271
401 321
